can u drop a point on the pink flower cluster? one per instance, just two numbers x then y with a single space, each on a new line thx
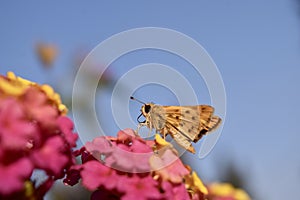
128 167
33 135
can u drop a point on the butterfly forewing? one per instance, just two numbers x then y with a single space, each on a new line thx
208 121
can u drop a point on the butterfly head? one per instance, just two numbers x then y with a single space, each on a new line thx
146 108
145 111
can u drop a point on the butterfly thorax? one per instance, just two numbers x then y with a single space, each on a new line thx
155 116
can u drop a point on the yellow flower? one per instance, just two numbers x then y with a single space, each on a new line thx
199 184
12 85
29 189
47 53
161 145
55 97
194 185
227 190
160 141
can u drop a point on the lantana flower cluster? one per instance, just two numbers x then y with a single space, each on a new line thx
35 134
128 167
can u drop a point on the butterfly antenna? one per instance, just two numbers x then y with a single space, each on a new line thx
136 100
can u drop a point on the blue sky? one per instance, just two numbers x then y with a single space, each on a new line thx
255 45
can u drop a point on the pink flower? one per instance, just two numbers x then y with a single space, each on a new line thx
169 166
124 153
51 156
100 145
175 191
113 171
73 175
127 161
132 154
94 174
33 135
140 188
15 130
12 176
66 126
38 108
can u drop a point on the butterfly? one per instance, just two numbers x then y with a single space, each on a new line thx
185 124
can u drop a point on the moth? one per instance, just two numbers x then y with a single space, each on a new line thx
185 124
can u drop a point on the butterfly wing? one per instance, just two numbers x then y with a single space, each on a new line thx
191 122
180 139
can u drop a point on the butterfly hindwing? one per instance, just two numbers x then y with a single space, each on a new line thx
192 121
178 136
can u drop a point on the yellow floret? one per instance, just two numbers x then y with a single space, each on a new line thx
226 189
13 85
199 184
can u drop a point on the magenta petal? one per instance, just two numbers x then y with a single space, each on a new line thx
137 187
99 145
36 103
19 135
129 154
169 166
66 126
50 156
15 129
140 147
129 161
12 176
175 191
95 174
73 175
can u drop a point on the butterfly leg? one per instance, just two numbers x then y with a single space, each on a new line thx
138 128
163 133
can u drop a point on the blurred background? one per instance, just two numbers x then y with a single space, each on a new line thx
255 44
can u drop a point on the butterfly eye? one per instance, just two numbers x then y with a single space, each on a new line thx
147 108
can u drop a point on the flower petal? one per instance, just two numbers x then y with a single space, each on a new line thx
51 156
12 178
94 174
168 166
